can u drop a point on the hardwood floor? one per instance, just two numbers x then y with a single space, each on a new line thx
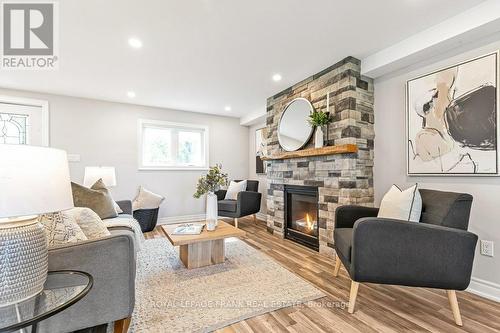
379 308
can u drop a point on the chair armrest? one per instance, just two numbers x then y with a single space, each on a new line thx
112 263
125 206
248 202
411 254
221 194
346 216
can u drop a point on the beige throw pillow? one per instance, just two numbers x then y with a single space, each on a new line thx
96 198
61 228
401 204
90 223
235 188
146 199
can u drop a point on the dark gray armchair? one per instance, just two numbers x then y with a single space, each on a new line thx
438 252
247 203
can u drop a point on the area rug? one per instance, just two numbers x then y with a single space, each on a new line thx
171 298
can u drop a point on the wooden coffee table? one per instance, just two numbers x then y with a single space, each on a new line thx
204 249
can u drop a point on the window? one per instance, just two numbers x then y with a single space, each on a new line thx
165 145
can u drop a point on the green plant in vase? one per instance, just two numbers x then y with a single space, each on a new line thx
318 119
208 184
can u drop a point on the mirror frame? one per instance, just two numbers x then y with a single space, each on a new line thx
281 118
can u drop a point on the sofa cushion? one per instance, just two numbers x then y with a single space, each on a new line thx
90 223
343 241
98 199
228 205
61 228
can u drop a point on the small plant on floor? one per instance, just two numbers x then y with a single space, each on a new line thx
211 182
319 118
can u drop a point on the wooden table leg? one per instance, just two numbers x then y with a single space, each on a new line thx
202 254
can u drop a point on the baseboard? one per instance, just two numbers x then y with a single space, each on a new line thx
485 289
181 219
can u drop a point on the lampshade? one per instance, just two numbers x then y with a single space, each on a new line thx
33 180
93 174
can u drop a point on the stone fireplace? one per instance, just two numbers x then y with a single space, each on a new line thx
338 178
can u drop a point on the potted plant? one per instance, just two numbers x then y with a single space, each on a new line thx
209 184
319 119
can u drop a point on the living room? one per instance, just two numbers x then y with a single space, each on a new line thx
268 167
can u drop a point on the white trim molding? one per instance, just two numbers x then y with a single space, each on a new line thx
486 289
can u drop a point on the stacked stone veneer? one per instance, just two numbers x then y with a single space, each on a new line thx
341 179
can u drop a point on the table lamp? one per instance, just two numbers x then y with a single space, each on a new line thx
33 181
94 173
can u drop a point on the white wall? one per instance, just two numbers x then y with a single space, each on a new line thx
390 168
251 168
105 133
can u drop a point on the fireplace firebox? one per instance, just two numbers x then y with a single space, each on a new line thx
301 215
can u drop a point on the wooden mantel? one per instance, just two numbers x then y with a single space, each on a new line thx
328 150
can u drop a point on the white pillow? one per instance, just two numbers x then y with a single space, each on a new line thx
401 205
235 188
90 223
61 228
117 208
146 200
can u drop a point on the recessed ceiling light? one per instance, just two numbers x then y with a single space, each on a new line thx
130 94
135 42
227 108
277 77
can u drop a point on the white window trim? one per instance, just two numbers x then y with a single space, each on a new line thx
44 105
162 123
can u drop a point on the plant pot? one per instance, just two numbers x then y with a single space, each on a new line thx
318 137
212 212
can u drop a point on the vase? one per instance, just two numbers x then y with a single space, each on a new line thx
318 137
212 213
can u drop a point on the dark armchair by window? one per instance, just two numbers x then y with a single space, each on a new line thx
247 203
437 252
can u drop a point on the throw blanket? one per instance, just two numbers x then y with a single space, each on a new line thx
130 223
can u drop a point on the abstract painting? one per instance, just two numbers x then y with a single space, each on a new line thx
452 117
260 135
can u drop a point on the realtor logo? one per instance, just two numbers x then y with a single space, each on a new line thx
29 35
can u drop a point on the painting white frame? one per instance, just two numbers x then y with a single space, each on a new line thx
42 104
162 123
407 116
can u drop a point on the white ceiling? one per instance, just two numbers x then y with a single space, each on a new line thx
201 55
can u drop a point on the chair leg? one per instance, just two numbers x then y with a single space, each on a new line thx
121 326
337 266
236 222
352 296
255 218
452 297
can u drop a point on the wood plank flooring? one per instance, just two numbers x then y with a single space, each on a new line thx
379 308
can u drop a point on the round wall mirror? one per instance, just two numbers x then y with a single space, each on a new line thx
293 130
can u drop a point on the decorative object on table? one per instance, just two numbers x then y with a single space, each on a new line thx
260 150
34 180
97 198
61 290
146 206
209 184
436 253
405 205
247 202
188 229
452 119
106 174
319 119
293 131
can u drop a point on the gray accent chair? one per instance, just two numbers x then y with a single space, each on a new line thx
112 263
247 203
438 252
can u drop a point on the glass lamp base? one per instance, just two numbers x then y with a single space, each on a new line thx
23 260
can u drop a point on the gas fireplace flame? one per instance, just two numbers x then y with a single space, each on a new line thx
310 224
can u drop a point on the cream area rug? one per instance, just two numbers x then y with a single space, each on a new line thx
171 298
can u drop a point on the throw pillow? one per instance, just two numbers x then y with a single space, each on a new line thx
117 208
235 188
146 199
401 205
99 185
61 228
98 199
90 223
